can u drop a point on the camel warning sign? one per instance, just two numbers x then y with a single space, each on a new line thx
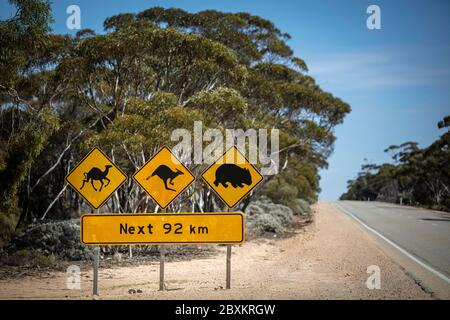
163 177
180 228
232 177
96 178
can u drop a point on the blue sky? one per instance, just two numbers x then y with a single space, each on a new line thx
396 79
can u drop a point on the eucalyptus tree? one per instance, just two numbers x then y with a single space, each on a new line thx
27 120
126 89
417 176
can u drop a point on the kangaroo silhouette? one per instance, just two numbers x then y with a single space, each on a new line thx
166 174
97 174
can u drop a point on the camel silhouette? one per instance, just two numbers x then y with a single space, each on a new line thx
97 174
166 174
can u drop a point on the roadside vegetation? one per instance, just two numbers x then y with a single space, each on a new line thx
417 176
126 89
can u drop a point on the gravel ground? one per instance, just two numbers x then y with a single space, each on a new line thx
326 260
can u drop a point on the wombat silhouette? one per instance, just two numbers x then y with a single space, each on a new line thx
233 174
166 174
97 174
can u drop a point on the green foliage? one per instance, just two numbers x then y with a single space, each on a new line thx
24 132
265 223
299 180
224 104
125 91
300 207
264 216
29 258
22 150
22 37
279 191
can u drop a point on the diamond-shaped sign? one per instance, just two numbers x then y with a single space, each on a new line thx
232 177
164 177
96 178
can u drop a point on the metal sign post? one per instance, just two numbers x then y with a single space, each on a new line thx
228 284
162 254
95 268
162 229
95 178
163 178
96 263
232 177
228 266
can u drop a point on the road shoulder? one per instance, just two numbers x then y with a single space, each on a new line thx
429 282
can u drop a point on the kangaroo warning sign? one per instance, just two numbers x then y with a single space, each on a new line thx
96 178
232 177
163 177
180 228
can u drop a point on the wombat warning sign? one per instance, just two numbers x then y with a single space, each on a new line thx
163 177
232 177
233 174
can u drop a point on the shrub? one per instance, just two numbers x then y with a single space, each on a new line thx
279 191
265 223
45 261
300 207
61 238
265 216
31 258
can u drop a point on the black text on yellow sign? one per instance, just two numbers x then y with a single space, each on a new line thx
180 228
163 177
96 178
232 177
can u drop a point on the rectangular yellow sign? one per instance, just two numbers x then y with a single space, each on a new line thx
180 228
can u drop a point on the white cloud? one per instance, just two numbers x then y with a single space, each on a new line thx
387 68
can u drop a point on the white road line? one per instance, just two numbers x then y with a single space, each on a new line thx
406 253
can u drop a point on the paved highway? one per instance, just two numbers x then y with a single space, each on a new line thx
422 235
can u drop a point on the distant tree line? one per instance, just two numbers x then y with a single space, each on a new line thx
417 176
124 90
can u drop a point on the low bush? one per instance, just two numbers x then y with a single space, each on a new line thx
60 238
29 258
265 223
263 216
300 207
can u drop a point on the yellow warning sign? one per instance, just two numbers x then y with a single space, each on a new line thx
232 177
182 228
96 178
163 177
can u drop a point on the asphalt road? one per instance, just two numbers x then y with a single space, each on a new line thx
423 235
